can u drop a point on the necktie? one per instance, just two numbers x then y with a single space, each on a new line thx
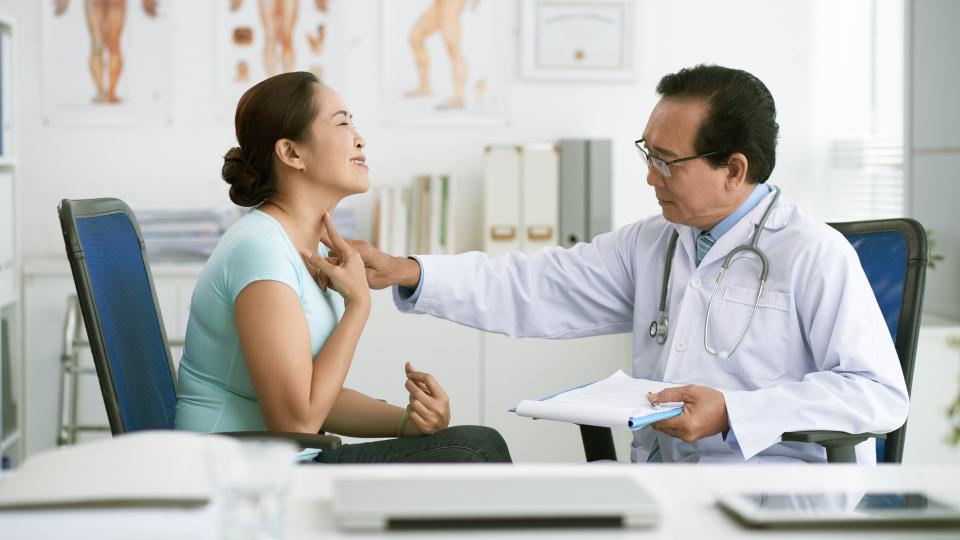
704 243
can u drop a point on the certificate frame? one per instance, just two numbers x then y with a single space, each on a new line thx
577 40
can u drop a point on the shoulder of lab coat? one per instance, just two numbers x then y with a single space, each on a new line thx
585 290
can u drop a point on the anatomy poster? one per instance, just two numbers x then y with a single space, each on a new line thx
446 62
107 62
257 39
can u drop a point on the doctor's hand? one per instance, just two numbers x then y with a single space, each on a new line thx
345 274
704 412
429 405
382 270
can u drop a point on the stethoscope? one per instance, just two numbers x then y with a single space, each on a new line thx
660 327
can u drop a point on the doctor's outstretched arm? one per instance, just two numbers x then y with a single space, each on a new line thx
586 290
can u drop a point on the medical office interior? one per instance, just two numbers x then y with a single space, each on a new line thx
502 148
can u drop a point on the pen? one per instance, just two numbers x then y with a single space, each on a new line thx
657 405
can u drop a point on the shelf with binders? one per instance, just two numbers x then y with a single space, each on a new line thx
539 195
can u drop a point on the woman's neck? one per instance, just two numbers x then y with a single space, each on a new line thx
301 217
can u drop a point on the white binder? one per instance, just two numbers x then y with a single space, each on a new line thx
540 198
502 199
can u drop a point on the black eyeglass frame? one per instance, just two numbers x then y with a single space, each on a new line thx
650 158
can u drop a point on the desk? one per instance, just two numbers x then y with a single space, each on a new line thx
686 492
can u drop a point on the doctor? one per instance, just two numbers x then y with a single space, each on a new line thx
806 349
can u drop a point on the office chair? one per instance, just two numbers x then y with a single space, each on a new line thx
124 327
893 253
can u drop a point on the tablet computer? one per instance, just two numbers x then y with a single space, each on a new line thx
839 508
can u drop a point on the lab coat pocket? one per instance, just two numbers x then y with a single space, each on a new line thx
764 353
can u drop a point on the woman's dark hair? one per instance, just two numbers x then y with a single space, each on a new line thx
741 116
281 107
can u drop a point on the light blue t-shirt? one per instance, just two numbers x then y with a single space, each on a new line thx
216 393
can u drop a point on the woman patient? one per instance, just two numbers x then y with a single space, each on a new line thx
273 325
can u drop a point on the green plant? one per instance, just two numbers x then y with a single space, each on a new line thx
932 256
953 411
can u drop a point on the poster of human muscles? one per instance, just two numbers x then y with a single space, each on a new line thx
107 62
257 39
446 62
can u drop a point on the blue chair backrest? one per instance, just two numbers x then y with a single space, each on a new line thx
122 318
893 256
883 256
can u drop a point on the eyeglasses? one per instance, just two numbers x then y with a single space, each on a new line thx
664 166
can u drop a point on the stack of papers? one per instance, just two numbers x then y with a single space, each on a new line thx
185 234
619 401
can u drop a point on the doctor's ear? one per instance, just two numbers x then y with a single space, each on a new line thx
287 153
737 167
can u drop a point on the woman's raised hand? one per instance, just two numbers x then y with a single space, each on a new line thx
429 405
345 273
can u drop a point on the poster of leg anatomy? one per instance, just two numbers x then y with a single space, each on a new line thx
446 62
107 62
257 39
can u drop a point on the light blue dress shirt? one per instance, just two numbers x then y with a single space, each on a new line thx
759 192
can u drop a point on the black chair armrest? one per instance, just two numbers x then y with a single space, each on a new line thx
304 440
598 443
839 445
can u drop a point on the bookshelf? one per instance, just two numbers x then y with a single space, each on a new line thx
11 366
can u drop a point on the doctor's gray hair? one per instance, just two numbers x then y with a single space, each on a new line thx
741 115
281 107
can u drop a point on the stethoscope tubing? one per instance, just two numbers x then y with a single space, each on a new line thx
660 327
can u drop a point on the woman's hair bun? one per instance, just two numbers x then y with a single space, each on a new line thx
247 188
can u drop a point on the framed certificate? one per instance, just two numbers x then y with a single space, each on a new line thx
577 40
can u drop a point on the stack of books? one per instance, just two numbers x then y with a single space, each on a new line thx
417 219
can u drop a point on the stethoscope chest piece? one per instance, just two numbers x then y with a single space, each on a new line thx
658 330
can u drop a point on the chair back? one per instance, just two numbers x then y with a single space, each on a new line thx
120 312
893 254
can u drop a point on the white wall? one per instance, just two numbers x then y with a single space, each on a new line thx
180 164
934 141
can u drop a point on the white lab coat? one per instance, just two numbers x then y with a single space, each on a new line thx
818 355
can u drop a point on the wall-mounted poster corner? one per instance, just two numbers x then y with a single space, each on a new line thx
257 39
446 62
107 63
578 40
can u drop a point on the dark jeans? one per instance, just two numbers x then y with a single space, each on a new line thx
459 444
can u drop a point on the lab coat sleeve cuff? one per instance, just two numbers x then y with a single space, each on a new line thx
730 437
411 295
743 416
406 298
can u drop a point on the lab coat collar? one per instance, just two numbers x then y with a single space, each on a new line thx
739 233
779 216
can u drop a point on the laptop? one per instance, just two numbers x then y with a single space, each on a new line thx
496 500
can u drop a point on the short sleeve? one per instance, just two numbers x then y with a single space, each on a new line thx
261 258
